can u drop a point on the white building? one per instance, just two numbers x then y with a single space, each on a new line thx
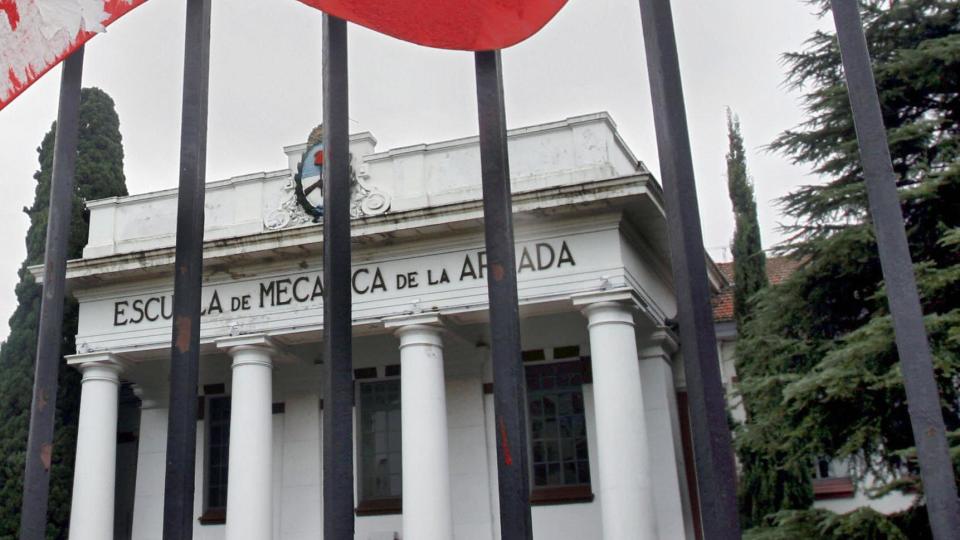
609 447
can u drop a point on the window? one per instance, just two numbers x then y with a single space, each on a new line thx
380 443
559 456
216 458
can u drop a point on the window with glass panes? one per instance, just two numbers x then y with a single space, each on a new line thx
558 432
218 451
380 458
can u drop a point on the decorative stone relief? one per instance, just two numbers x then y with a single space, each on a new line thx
289 212
301 200
366 200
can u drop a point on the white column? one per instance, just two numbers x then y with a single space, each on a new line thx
423 408
94 475
151 457
626 504
663 434
493 475
250 473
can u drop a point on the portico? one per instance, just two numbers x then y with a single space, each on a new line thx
605 443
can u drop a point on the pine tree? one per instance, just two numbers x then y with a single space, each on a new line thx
821 369
749 261
99 174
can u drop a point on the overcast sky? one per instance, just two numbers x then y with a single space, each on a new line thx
265 93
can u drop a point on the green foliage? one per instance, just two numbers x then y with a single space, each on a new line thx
819 367
765 485
861 524
749 261
99 174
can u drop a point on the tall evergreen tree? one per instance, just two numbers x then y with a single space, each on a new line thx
99 174
749 261
763 487
822 371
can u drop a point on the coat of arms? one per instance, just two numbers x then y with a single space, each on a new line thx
302 199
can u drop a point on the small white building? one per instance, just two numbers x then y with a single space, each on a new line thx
608 445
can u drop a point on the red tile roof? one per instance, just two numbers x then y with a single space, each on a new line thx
723 300
778 269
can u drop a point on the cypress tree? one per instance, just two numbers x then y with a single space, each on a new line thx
749 261
768 483
99 174
821 372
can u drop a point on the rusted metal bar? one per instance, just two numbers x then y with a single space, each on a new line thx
338 520
36 481
923 398
509 388
188 276
716 474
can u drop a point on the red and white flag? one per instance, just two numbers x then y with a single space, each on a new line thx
468 25
36 35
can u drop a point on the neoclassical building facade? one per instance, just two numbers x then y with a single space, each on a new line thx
607 431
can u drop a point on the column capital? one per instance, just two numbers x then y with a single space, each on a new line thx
101 366
420 329
234 344
621 295
608 312
643 313
662 342
615 306
417 319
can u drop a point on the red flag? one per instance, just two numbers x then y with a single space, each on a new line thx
36 35
470 25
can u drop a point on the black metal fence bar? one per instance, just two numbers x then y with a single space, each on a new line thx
36 482
716 475
338 520
508 376
923 398
188 275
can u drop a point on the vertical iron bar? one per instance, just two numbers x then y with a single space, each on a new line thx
509 381
923 398
36 482
716 475
188 276
338 521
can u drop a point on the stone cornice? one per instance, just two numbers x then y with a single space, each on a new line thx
608 193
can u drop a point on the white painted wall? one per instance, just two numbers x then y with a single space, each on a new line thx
888 504
647 274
